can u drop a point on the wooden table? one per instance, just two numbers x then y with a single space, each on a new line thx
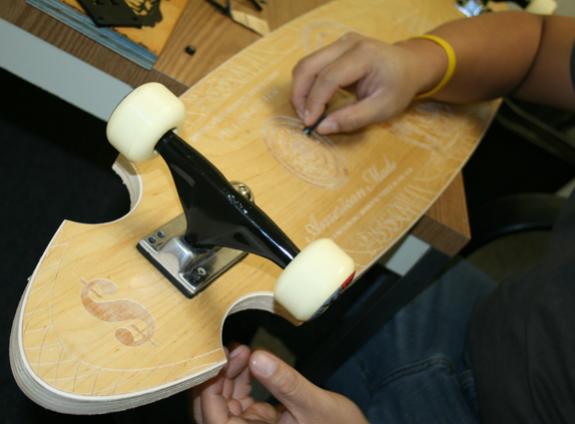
216 38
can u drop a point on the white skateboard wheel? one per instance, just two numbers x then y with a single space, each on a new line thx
542 7
142 118
314 279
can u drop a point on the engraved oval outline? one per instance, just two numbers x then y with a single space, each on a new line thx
321 144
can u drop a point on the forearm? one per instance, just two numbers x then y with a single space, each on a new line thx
501 54
497 54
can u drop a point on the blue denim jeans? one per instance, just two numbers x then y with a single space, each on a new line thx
416 369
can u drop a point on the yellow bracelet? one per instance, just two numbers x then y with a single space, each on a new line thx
451 63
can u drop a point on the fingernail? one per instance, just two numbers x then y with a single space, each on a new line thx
306 115
263 364
235 352
300 113
327 126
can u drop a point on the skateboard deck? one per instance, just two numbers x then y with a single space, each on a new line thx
100 329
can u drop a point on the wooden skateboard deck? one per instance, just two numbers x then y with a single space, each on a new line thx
100 329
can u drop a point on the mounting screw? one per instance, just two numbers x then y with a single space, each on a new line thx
244 190
190 50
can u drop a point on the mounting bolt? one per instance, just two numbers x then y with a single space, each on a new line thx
244 190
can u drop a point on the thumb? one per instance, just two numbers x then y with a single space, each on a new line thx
288 386
370 110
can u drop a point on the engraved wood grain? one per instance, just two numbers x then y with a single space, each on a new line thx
395 172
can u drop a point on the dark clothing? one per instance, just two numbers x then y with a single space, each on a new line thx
523 339
523 336
520 336
573 65
415 369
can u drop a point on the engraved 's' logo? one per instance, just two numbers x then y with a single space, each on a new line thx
118 311
312 158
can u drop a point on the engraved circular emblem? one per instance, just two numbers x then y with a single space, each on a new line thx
312 158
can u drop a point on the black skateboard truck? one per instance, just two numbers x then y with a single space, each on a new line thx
220 223
219 226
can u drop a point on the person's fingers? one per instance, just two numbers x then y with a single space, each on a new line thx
303 401
346 70
237 361
261 412
214 408
211 387
213 398
197 408
228 388
243 387
235 407
306 70
287 418
357 115
288 386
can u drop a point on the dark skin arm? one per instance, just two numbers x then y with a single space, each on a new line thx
506 53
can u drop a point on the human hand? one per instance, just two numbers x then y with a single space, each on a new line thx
227 397
385 78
